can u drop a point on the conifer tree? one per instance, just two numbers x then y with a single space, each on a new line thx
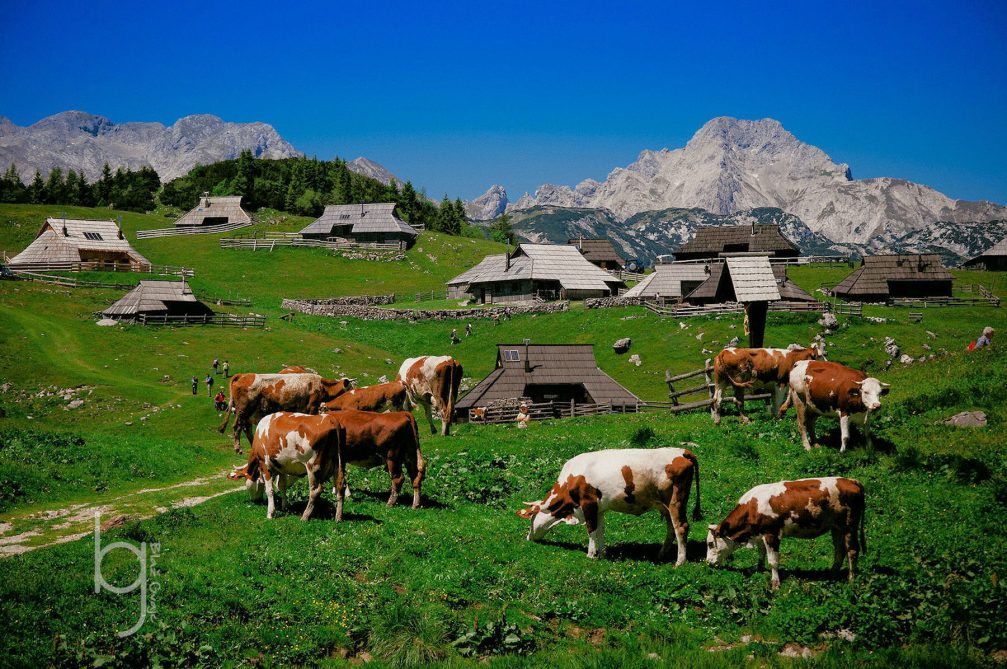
36 191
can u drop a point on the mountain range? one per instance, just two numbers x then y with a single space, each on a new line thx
742 169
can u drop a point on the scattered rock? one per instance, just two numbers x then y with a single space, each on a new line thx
796 650
6 387
706 351
682 326
967 419
383 379
115 521
906 359
635 360
891 348
829 321
875 319
622 345
700 336
927 347
931 334
107 322
388 361
734 342
128 422
76 404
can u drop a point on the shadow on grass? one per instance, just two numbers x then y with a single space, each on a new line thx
326 510
833 439
405 498
632 551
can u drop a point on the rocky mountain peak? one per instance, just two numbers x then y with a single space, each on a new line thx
487 206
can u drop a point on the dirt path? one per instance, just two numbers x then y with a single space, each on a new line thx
27 531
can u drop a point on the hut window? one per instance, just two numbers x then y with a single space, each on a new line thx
93 236
512 355
344 216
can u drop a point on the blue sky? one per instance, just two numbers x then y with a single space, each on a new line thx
459 95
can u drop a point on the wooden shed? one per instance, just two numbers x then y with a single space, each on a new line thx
216 210
670 281
993 259
546 373
362 223
712 241
157 298
546 271
599 252
884 276
63 243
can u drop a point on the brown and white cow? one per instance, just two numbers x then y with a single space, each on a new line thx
804 509
292 445
759 369
390 396
432 381
832 389
257 395
629 480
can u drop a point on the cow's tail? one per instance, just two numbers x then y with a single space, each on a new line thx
421 466
452 382
230 407
739 384
697 509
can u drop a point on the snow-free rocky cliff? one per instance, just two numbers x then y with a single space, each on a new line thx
732 166
81 141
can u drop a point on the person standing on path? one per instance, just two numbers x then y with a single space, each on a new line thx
195 385
468 329
216 364
209 385
227 369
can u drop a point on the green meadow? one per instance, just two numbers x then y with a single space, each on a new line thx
455 583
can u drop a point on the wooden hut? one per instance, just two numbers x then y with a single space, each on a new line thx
993 259
63 243
549 271
215 210
885 276
539 373
157 298
362 223
458 287
670 281
599 252
746 279
713 241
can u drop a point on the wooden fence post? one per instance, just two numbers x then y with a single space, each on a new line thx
671 388
706 375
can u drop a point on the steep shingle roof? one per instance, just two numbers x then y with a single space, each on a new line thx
550 262
61 240
373 217
998 249
666 280
753 279
873 276
486 265
711 240
551 364
157 297
597 250
215 206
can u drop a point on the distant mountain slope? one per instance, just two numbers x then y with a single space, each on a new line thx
487 206
81 141
733 165
369 168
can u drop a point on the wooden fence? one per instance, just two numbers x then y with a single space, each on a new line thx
626 275
222 320
927 302
270 241
550 410
190 230
94 266
846 308
685 311
69 282
675 395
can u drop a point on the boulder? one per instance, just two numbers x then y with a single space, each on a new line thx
622 345
829 321
906 359
635 360
107 322
967 419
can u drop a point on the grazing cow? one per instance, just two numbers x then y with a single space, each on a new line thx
381 397
831 389
433 381
629 480
257 395
758 369
288 445
805 509
477 414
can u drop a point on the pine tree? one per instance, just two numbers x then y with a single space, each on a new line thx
85 194
103 187
501 231
11 187
55 188
36 191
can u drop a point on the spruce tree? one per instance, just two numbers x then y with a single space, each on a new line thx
55 187
36 191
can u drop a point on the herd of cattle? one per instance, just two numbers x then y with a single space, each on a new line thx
313 427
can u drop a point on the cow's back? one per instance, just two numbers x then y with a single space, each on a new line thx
826 386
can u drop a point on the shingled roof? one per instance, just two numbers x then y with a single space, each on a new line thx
872 279
597 251
667 279
550 365
75 240
548 262
994 255
748 279
712 240
354 219
157 298
489 264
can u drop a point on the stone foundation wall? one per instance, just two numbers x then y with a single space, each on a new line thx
608 302
367 312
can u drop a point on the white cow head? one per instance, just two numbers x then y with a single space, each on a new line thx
870 391
718 548
542 520
256 489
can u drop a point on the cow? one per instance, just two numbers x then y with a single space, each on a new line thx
257 395
432 381
381 397
804 509
759 369
630 480
477 414
831 389
289 444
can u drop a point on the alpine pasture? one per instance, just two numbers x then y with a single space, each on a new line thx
455 582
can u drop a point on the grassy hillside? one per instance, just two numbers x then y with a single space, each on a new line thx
455 581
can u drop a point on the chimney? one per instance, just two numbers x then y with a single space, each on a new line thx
527 364
753 228
507 259
65 233
206 199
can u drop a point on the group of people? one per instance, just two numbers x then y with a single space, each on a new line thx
219 400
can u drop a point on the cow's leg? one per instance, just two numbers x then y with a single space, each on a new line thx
270 501
844 431
788 399
838 548
778 400
810 422
417 472
802 422
430 417
772 544
760 546
238 427
340 485
718 396
315 489
739 399
851 538
867 434
282 482
595 522
395 472
676 515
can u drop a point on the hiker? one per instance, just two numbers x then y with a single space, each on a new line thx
227 369
986 339
496 318
216 364
454 336
195 385
219 401
468 329
506 314
209 385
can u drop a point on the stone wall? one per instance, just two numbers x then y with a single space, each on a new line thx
607 302
361 300
367 312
